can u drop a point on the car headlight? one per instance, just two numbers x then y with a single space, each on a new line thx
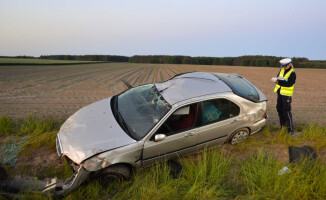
58 145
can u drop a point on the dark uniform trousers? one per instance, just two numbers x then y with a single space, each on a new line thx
283 107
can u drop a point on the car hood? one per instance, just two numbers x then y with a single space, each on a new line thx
92 130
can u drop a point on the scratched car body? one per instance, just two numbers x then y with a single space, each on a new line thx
160 121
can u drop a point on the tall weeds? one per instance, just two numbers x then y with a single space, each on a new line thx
34 125
317 134
6 125
27 126
260 180
202 178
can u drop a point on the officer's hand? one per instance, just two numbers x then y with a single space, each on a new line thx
274 79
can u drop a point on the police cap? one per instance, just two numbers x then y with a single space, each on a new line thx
285 62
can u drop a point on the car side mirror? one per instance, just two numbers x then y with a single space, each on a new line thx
159 137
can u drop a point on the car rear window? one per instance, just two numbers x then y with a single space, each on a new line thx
240 86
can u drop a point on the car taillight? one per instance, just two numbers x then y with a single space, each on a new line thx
265 115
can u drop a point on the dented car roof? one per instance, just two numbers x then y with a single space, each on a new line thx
190 85
196 84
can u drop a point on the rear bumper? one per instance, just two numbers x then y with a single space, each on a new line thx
257 126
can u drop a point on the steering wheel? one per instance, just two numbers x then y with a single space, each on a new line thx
168 127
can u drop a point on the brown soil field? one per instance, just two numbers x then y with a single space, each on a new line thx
59 91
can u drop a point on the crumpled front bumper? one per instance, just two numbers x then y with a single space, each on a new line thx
58 189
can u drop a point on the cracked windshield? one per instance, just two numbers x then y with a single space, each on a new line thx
141 108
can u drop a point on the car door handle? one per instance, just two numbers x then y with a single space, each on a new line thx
235 121
189 134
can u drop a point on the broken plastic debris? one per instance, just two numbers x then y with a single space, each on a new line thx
285 170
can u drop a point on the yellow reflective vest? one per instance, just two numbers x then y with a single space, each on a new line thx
286 91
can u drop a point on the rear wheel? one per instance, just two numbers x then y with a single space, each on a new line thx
114 173
238 136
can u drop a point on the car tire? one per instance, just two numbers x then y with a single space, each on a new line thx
115 173
238 136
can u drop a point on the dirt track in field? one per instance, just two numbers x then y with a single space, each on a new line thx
59 91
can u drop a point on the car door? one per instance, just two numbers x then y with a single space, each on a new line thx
181 137
220 118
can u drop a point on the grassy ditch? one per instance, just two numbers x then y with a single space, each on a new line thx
245 171
27 126
23 137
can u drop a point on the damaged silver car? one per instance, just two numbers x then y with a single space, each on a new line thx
156 122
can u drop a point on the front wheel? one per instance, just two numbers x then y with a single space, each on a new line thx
238 136
115 173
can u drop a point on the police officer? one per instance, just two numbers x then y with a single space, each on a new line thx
285 81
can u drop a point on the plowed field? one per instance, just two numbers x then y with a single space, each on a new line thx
59 91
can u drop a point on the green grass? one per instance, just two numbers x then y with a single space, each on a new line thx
37 140
31 133
32 125
203 178
259 179
317 134
282 137
214 175
23 61
248 170
266 132
6 125
95 190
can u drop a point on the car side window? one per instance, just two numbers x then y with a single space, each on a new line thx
216 110
181 120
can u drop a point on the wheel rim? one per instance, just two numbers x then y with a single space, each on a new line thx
239 137
109 178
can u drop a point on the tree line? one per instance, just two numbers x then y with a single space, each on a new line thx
253 60
103 58
262 61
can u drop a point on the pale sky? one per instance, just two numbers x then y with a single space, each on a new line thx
289 28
